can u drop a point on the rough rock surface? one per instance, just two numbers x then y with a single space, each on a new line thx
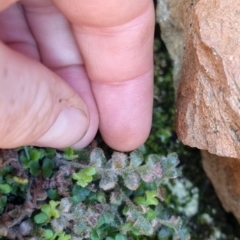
208 102
170 16
208 98
224 175
202 37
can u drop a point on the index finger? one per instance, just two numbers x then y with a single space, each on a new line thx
116 40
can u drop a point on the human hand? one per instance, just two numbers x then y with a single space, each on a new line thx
71 67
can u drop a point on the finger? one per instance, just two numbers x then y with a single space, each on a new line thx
36 106
4 4
59 52
15 32
116 39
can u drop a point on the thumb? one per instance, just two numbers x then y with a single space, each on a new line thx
36 106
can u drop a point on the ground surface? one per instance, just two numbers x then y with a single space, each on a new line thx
191 196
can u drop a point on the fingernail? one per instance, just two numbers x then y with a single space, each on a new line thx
70 126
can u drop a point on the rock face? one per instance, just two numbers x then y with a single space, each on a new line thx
208 102
202 37
224 174
171 16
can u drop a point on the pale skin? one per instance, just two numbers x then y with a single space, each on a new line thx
71 67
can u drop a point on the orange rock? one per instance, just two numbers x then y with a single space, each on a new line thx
203 39
224 174
208 103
